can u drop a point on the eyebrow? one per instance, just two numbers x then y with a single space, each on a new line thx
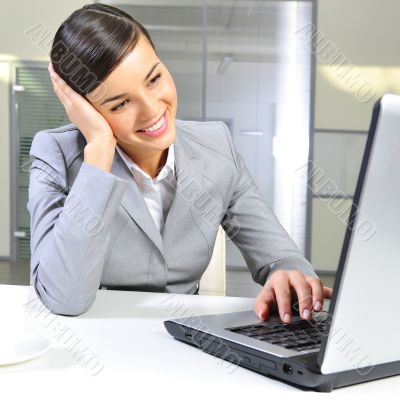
124 94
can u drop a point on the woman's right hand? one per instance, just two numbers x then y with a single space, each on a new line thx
100 148
88 120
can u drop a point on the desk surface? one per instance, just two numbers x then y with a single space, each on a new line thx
120 347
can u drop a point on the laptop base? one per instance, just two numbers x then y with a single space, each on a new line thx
300 371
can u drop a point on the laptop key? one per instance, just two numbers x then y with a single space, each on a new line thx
265 330
289 345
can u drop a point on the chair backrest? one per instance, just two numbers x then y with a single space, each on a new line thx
213 281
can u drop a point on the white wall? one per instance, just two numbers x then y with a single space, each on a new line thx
366 34
17 17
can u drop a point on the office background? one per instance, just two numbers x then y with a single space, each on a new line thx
249 63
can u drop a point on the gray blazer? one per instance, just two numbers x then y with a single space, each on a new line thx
91 228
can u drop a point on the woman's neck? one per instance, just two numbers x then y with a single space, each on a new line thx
150 163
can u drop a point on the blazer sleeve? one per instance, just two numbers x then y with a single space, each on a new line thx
69 227
254 228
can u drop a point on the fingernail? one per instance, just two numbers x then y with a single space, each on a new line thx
318 306
306 313
286 318
260 311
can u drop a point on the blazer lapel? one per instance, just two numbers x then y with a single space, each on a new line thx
189 181
134 204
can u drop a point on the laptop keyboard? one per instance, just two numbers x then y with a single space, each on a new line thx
299 335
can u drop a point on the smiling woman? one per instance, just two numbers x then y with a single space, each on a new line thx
138 99
116 68
144 217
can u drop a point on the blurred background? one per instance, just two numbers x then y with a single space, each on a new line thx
295 81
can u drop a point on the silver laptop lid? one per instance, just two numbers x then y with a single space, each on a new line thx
365 324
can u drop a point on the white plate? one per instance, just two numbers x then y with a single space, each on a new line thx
22 350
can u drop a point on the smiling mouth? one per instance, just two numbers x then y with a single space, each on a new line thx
160 127
160 120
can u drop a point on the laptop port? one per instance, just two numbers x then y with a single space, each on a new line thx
287 369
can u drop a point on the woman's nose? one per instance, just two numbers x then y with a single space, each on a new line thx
150 107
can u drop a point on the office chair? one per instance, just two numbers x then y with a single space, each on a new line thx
213 281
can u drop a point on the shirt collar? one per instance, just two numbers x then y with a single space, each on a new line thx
165 170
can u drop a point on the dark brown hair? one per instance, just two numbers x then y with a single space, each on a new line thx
91 43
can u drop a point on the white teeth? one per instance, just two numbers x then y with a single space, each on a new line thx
156 126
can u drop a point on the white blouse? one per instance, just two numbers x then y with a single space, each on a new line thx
159 192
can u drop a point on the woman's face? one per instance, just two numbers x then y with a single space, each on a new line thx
147 91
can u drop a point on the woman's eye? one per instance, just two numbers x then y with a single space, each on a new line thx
155 78
118 107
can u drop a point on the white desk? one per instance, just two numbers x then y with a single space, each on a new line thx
123 332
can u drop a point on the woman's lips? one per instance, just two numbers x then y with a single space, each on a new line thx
158 131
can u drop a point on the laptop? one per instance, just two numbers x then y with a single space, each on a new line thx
356 338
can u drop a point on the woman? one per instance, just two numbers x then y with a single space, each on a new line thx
129 196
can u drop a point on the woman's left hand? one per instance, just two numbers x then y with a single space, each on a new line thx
277 294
